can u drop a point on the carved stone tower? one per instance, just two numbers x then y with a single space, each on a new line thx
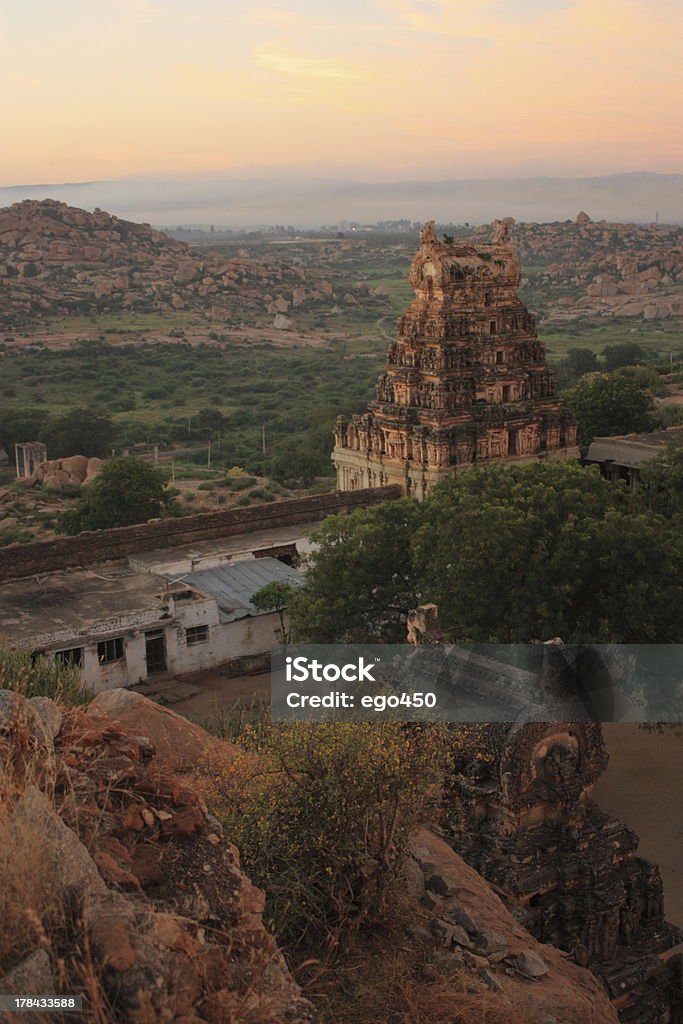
466 382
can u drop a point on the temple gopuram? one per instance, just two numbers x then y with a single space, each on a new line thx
467 380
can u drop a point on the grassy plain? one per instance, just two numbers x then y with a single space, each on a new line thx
155 393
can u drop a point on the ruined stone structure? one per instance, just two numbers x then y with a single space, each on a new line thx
518 808
520 813
28 456
467 380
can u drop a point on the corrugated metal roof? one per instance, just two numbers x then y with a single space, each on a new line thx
233 585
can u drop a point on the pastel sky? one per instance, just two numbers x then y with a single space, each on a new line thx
376 89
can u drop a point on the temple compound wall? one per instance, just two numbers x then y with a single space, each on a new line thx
18 560
467 381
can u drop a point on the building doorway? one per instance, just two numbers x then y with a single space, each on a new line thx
512 442
155 651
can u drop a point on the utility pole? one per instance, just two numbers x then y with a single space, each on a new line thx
208 456
263 438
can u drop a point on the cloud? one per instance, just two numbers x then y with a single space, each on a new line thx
441 17
309 67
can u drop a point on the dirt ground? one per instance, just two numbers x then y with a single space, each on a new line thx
643 785
223 691
244 336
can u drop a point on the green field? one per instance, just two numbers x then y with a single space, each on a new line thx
155 393
660 339
115 323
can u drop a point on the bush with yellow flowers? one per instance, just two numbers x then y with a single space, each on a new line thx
322 815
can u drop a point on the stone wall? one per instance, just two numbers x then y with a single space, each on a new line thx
17 561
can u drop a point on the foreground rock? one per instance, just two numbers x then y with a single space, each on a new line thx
179 744
477 928
165 924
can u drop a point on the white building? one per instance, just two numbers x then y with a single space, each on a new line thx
123 626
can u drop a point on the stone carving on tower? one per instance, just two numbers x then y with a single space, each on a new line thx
466 382
519 810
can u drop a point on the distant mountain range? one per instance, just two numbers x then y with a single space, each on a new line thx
636 197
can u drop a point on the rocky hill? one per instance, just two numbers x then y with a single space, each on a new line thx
602 269
105 839
56 260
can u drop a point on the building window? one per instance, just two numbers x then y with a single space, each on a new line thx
500 357
71 656
196 635
492 327
110 650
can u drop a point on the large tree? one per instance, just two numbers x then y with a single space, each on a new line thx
82 431
580 361
511 554
624 353
606 404
361 577
660 483
497 548
19 425
126 491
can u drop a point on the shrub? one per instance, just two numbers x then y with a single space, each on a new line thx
31 910
263 493
323 817
14 535
41 678
241 483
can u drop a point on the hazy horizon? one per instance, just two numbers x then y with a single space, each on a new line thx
239 202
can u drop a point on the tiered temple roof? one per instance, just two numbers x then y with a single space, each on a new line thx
467 379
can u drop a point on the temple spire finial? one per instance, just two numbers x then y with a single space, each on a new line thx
428 233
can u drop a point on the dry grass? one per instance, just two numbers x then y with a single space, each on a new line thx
400 986
34 912
31 914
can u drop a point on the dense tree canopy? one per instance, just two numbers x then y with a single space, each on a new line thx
83 431
19 425
126 491
606 404
508 554
660 483
362 577
624 353
580 361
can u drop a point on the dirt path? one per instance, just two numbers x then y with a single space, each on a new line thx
218 691
643 785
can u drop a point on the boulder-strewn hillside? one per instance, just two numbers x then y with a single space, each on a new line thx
608 270
55 259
